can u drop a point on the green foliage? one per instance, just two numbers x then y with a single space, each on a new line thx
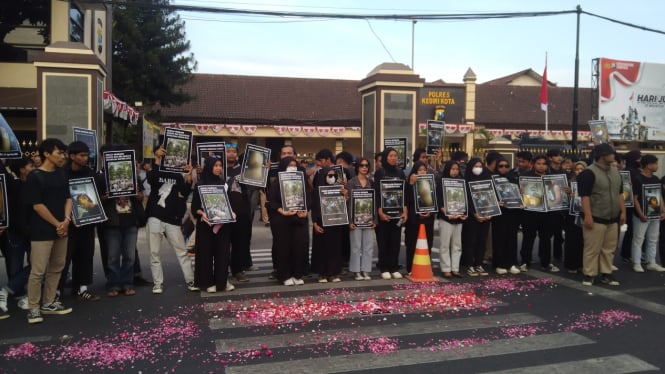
151 58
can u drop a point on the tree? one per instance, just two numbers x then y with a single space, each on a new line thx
151 62
14 14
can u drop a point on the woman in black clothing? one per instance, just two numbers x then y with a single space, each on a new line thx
412 225
504 229
213 245
476 228
289 232
388 232
573 246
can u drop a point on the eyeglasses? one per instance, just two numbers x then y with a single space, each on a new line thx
363 165
502 166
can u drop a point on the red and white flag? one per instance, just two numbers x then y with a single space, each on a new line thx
543 90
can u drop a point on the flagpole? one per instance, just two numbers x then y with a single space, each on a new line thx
547 108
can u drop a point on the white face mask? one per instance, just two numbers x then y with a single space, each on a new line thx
330 180
477 171
291 168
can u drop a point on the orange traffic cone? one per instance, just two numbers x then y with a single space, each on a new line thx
421 270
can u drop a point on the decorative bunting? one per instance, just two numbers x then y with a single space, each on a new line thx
294 130
249 129
216 128
323 131
233 129
450 128
309 130
202 129
464 129
119 108
337 131
280 130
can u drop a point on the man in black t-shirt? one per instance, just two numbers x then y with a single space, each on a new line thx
48 193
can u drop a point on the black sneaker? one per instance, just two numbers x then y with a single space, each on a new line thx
88 296
609 280
55 307
587 281
34 316
241 277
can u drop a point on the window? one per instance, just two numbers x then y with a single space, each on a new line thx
76 22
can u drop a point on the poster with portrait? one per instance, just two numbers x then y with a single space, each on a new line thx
215 203
212 149
651 198
150 138
556 197
178 146
333 206
86 205
533 191
508 193
120 167
483 198
599 133
627 188
255 165
339 170
362 207
392 197
424 193
4 209
454 197
399 144
9 144
292 186
575 200
89 137
434 136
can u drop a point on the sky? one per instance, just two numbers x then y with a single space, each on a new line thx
350 49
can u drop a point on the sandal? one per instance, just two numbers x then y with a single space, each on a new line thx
129 292
112 293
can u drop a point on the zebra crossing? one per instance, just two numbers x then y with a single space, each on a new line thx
371 339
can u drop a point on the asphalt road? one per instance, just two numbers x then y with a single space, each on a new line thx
534 322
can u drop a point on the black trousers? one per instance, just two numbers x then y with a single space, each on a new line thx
537 224
240 236
289 244
388 238
574 244
212 256
327 251
504 238
80 253
474 240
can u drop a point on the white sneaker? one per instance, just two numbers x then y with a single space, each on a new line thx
385 275
290 282
501 271
4 294
514 270
614 268
211 289
638 268
524 268
336 280
23 303
157 289
655 267
323 280
298 282
229 287
397 275
552 268
366 276
359 277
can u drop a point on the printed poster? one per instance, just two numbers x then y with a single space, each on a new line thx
434 136
150 138
627 187
362 207
120 167
555 192
212 149
86 205
89 137
651 201
392 197
254 165
333 206
454 197
508 193
178 145
484 199
533 192
424 193
9 145
399 144
215 202
575 201
292 186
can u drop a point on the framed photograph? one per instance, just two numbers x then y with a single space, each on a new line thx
399 144
333 206
627 187
599 133
484 199
150 138
89 137
254 165
120 174
339 170
508 192
533 192
292 186
651 198
434 136
424 193
86 205
454 197
178 145
575 200
213 149
556 197
215 202
392 197
362 207
11 148
4 209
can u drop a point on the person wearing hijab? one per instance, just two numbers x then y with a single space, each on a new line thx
412 225
289 232
476 228
450 227
505 227
213 241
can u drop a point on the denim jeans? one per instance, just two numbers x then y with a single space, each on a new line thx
362 248
649 231
17 248
121 243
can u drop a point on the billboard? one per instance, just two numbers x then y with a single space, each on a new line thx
632 99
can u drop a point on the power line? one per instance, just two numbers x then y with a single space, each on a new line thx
380 41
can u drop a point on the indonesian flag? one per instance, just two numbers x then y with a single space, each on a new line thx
543 90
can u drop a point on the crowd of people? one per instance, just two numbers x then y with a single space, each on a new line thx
46 253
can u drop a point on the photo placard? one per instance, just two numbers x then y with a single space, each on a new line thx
292 186
399 144
508 193
392 197
86 205
89 137
254 165
333 206
215 202
483 198
424 193
435 135
120 173
454 197
178 146
362 205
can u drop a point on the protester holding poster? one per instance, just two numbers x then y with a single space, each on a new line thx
361 211
213 241
476 228
450 222
506 225
389 231
412 226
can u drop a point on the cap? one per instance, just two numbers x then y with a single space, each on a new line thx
603 149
